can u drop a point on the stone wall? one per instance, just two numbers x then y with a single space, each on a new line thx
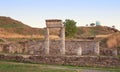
88 47
11 48
108 52
67 60
37 47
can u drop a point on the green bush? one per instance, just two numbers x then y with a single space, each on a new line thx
70 28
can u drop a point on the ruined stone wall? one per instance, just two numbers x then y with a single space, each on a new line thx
37 47
88 47
118 51
11 48
108 52
71 47
67 60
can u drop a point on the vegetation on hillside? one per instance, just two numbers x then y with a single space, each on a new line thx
93 31
7 22
70 28
26 31
10 28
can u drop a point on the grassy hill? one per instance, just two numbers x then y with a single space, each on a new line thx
10 28
7 22
94 31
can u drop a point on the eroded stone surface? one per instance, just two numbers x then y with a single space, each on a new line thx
67 60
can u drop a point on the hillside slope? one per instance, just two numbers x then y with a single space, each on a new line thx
7 22
94 31
10 28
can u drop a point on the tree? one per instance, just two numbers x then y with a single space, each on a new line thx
70 28
92 24
113 26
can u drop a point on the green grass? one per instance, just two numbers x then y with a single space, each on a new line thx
6 66
25 67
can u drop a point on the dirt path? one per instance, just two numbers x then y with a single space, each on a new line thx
75 69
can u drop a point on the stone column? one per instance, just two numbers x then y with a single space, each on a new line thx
47 41
1 48
97 51
79 51
62 50
114 52
10 49
26 48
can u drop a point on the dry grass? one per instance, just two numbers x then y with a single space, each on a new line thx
114 40
102 36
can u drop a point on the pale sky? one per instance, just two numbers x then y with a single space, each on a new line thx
35 12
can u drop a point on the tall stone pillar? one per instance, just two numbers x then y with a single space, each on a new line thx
97 50
47 41
62 41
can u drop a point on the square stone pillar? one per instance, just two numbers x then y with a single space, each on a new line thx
47 41
62 50
26 48
1 48
79 51
114 52
97 50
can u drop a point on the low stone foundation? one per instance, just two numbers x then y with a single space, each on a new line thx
67 60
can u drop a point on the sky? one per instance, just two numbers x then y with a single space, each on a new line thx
35 12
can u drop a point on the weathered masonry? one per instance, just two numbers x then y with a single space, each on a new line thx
55 24
82 47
